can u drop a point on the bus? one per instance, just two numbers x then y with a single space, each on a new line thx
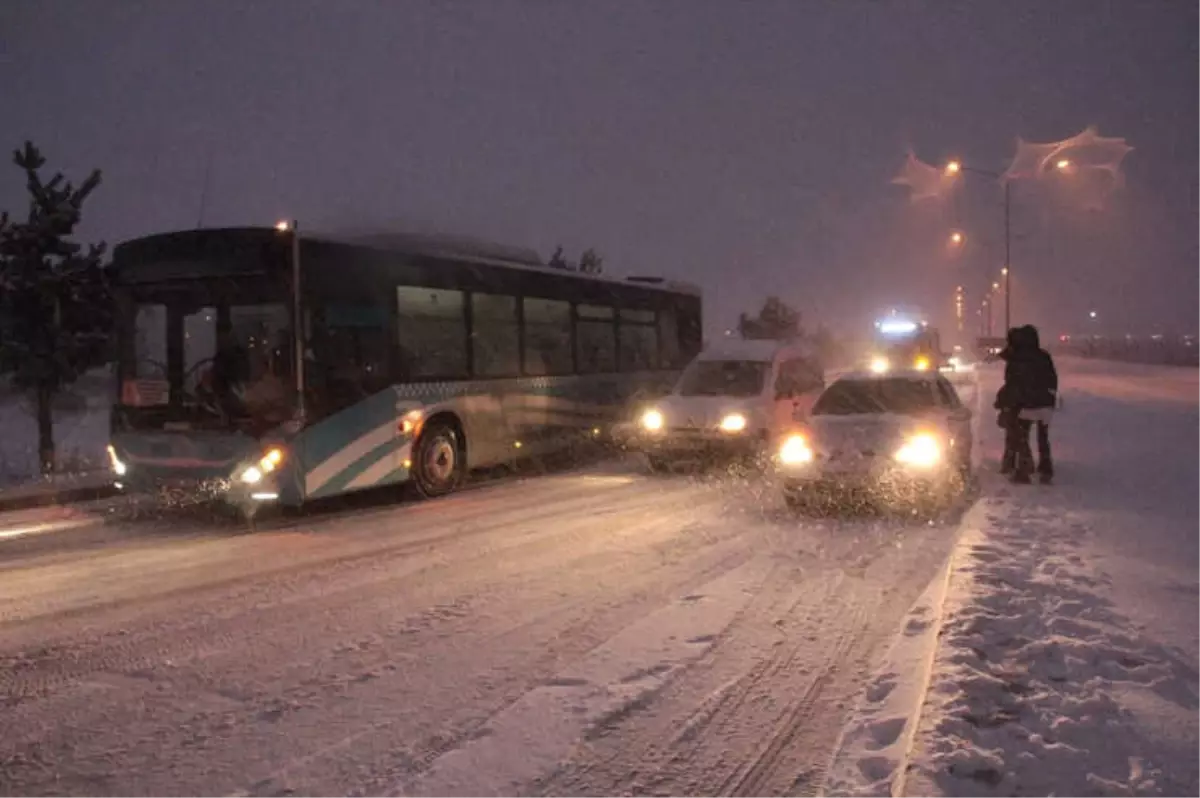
414 359
905 341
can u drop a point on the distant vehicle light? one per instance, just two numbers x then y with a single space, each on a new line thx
733 422
653 420
921 364
252 476
922 451
880 365
897 327
795 451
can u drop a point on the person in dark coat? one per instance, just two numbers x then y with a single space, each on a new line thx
1009 413
1028 396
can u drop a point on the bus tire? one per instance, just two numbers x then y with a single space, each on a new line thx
438 466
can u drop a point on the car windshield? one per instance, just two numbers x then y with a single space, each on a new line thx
723 378
891 395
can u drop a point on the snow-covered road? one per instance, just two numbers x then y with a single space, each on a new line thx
592 631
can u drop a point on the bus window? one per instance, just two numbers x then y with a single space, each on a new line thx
639 340
495 337
150 342
668 339
595 340
547 337
350 358
432 332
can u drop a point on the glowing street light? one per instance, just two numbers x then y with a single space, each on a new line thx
1092 314
1004 271
953 168
995 286
283 225
1063 164
957 238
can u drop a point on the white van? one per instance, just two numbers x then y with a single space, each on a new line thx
735 399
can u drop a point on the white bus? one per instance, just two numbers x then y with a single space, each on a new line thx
421 359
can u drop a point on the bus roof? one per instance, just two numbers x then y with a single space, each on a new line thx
449 247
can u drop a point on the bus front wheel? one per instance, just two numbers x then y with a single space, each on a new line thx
438 466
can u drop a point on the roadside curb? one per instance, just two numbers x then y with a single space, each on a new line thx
22 499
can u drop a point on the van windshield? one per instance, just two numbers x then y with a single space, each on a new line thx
736 378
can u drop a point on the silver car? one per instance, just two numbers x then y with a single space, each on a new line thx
892 437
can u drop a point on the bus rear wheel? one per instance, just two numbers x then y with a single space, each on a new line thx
438 465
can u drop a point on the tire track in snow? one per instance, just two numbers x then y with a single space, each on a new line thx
37 670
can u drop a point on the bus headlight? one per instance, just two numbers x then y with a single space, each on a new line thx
921 451
879 365
733 422
653 420
252 475
795 451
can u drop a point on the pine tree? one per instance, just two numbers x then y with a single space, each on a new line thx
590 262
557 261
55 308
775 321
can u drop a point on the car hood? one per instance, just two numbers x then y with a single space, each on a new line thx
867 434
699 412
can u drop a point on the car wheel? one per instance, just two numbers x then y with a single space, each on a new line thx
438 465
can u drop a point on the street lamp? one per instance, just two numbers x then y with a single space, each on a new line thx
957 238
954 168
292 227
1063 164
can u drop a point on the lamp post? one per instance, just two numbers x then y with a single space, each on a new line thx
953 169
293 228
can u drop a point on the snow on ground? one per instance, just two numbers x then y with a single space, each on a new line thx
1067 662
80 428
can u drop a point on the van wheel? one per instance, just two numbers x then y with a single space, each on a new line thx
658 465
438 465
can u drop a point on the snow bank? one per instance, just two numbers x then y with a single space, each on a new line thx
1068 659
80 428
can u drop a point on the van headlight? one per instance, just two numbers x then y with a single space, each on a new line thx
271 460
653 420
733 422
922 451
795 451
118 465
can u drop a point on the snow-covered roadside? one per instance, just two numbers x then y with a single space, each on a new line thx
871 754
1067 662
80 429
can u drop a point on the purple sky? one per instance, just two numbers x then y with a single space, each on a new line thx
745 146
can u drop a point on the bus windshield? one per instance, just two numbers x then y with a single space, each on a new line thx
213 358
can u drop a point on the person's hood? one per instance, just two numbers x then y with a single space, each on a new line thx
1030 334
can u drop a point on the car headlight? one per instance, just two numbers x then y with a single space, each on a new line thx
653 420
921 364
733 422
795 450
879 365
271 459
923 451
